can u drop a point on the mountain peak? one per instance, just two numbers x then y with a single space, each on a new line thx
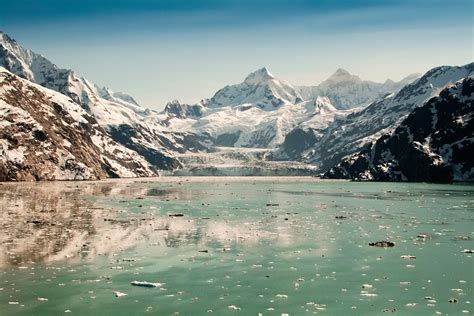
341 76
6 40
260 75
341 73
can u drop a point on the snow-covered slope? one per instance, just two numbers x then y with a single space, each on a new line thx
348 134
245 125
45 135
106 106
118 113
434 143
346 91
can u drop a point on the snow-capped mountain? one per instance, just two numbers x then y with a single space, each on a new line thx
118 113
262 110
434 143
45 135
257 113
326 146
260 88
346 91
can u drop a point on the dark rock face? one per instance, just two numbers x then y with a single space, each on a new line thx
297 141
183 110
434 143
228 139
126 134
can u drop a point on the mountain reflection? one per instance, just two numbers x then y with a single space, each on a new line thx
50 222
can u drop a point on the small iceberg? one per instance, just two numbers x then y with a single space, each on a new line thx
119 294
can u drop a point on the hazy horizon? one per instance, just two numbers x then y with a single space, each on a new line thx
158 51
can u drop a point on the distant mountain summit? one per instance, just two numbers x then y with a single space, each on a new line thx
341 75
259 76
260 88
346 91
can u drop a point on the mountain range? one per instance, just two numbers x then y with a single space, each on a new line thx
58 125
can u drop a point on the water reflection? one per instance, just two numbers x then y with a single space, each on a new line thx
50 222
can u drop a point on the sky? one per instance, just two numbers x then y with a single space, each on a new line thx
162 50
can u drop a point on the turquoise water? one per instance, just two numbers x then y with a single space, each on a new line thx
242 246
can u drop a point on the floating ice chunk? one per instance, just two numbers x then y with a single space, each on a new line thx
233 307
363 293
146 284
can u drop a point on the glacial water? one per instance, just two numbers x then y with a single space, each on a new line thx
235 246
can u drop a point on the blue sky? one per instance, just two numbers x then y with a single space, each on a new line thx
186 50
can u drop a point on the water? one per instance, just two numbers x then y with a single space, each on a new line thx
243 246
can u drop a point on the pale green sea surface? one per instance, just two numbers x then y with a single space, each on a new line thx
242 247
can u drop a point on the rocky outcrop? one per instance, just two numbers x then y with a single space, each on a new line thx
434 143
182 111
